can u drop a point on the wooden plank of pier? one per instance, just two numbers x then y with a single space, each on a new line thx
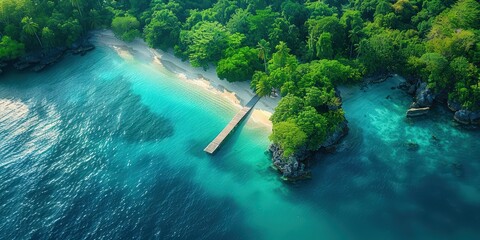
215 144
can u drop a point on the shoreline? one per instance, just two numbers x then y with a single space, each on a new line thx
237 93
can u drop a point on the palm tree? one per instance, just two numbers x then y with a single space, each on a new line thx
95 19
282 53
354 35
31 28
311 41
263 50
263 88
48 37
76 3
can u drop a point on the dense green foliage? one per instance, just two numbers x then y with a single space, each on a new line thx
126 28
45 24
10 49
297 48
239 64
163 29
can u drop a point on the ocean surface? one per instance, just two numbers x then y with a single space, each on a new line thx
102 147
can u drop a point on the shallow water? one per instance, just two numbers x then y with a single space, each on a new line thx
100 147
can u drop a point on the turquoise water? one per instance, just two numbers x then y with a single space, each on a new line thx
100 147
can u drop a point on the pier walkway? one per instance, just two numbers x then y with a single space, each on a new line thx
215 144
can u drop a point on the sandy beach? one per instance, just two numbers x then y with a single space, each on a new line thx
238 93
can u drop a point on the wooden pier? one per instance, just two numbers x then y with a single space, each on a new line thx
215 144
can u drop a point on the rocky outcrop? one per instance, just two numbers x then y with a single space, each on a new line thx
50 57
424 97
39 60
423 100
467 117
416 112
28 60
462 116
454 106
81 47
295 167
336 136
292 168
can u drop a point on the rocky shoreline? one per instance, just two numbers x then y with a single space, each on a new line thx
39 60
425 99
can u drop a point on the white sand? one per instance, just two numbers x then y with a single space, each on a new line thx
238 93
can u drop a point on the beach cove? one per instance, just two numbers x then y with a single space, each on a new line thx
237 93
110 145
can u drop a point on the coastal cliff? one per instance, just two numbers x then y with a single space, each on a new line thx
296 167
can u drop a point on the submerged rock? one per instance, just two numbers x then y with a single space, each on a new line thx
403 86
457 168
412 146
412 89
409 86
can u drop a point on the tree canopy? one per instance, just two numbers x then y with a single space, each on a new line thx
126 28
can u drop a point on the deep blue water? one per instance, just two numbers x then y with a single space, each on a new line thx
99 147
